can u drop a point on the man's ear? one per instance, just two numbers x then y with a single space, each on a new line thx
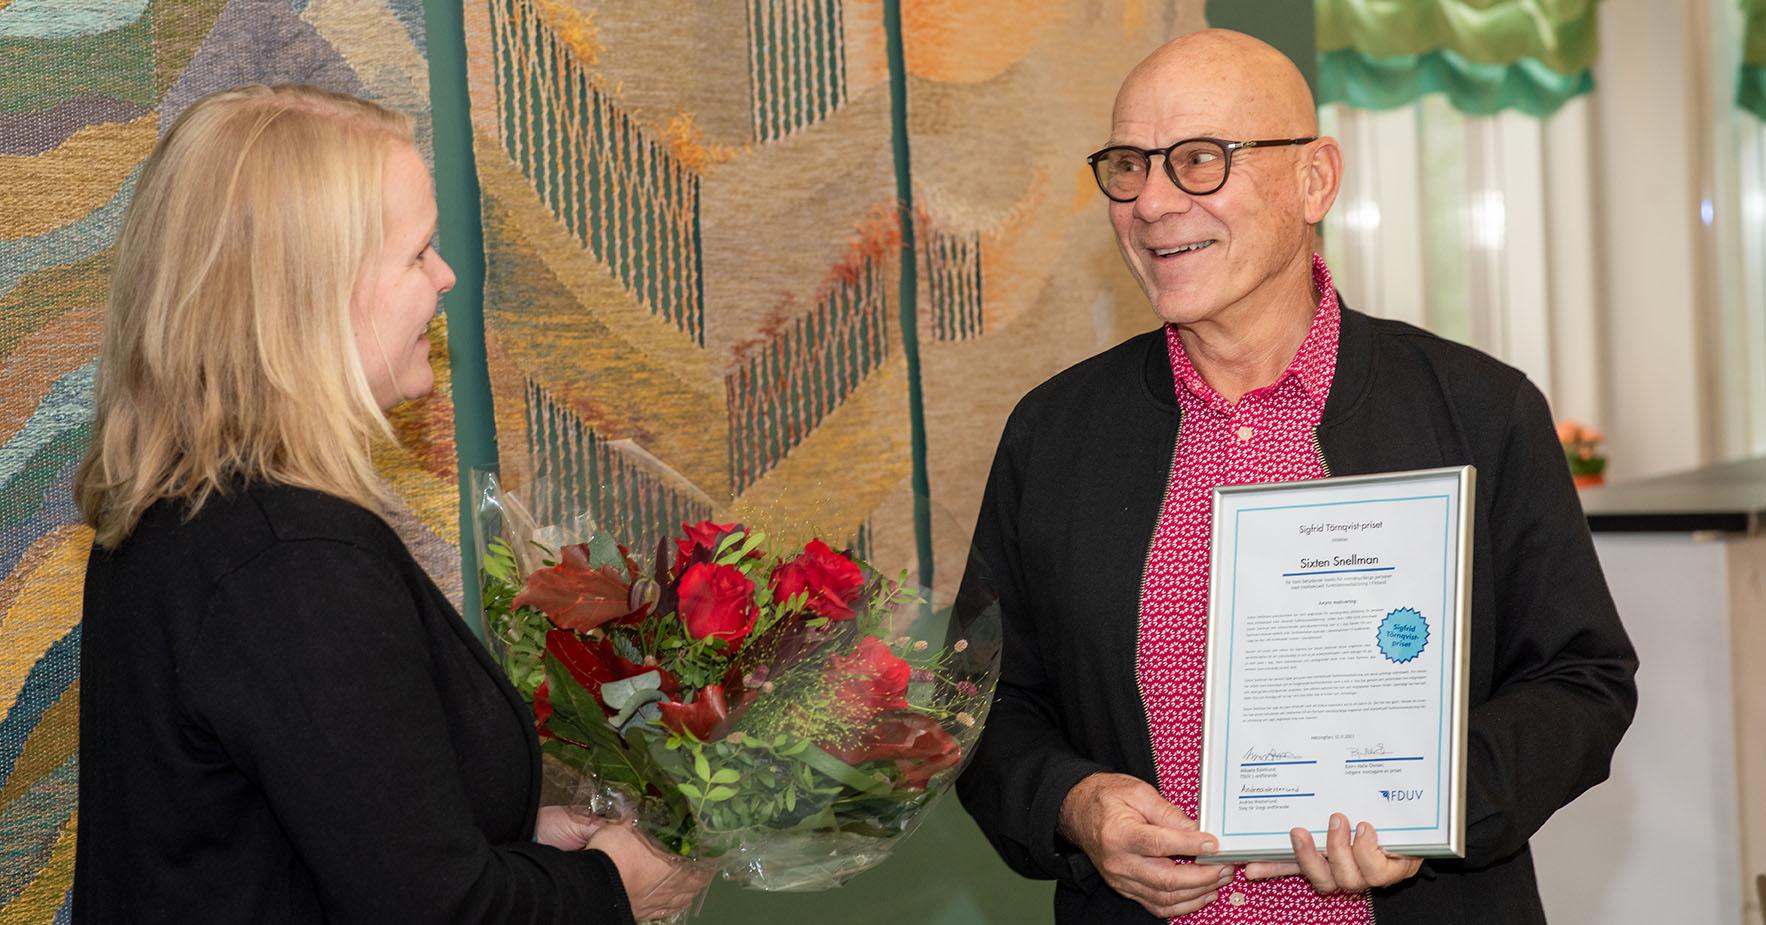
1323 177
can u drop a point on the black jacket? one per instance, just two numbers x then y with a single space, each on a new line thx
1065 525
283 720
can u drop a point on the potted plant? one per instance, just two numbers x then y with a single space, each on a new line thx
1588 465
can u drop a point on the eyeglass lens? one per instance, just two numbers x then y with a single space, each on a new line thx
1198 167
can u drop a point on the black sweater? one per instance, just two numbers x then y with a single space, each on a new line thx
283 720
1070 509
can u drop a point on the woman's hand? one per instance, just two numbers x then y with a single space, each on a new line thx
564 828
657 883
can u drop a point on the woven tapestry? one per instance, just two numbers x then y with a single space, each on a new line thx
85 90
1019 274
694 297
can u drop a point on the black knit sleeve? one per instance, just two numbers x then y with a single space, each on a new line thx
1024 766
1564 667
313 673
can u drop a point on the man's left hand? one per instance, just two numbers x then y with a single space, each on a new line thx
1345 866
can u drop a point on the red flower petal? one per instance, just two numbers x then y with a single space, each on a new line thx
918 745
701 718
871 679
717 600
832 581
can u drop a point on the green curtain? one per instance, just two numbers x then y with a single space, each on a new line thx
1483 55
1751 85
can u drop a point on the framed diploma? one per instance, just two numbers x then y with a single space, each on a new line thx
1337 639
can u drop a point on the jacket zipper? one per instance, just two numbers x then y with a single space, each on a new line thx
1318 449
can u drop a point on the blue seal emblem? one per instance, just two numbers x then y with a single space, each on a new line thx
1403 635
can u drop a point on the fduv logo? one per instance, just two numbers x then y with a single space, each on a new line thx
1401 796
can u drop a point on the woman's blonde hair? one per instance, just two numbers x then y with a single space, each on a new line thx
228 353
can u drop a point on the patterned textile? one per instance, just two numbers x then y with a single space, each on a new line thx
1019 275
694 293
1485 55
85 90
1750 80
1264 437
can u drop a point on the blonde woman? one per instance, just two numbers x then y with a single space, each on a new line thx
282 719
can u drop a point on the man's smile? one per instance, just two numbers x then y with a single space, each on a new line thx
1180 249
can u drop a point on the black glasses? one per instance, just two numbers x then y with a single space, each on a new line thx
1197 165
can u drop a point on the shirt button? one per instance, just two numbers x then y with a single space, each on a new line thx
1237 898
1245 434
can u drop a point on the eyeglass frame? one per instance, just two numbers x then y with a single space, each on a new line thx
1230 147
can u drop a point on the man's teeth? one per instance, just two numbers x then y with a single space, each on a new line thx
1184 249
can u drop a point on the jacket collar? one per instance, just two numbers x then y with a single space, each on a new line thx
1354 355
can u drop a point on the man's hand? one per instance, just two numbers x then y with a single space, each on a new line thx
1131 835
1345 866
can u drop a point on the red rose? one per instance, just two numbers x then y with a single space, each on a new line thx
700 542
916 743
717 600
702 717
869 680
575 596
831 580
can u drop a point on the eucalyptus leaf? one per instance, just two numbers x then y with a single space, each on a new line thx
636 689
604 551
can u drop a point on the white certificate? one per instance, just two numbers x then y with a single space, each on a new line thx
1337 645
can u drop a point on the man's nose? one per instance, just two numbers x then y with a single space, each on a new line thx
1160 196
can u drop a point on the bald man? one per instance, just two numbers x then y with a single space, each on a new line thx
1094 534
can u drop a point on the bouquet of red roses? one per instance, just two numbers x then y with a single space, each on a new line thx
786 714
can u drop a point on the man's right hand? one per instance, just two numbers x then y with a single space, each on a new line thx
1131 835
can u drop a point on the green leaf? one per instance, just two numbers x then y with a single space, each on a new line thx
691 791
719 794
725 542
729 554
625 648
862 781
701 766
499 560
726 776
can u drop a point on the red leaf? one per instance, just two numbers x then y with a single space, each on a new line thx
701 718
575 596
542 710
593 664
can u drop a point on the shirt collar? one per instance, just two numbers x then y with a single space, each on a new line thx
1314 365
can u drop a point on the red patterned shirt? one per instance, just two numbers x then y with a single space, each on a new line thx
1267 436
